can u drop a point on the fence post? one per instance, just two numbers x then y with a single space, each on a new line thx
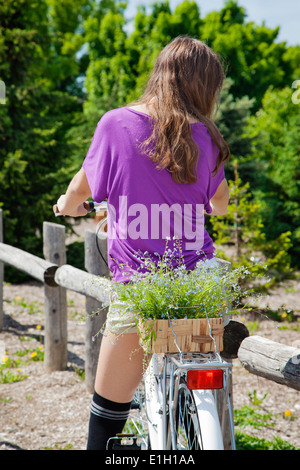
56 355
94 264
1 275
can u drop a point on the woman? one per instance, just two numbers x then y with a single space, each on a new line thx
156 162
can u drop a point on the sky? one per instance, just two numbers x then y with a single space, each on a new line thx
283 13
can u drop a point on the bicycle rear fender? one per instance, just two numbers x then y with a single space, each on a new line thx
211 432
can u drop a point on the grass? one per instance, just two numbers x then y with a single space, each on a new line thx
250 419
58 447
31 308
6 376
256 417
252 416
246 442
20 358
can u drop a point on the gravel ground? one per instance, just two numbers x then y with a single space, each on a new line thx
51 410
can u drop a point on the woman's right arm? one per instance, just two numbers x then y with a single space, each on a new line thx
77 193
220 200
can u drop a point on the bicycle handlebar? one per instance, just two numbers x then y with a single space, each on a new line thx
91 207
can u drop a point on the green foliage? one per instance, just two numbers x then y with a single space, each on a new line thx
256 417
253 416
6 376
258 62
59 447
275 154
75 254
34 154
164 289
8 363
232 120
246 442
243 228
65 63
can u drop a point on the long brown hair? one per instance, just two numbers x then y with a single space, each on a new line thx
186 82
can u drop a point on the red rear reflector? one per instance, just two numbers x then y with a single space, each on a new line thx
205 379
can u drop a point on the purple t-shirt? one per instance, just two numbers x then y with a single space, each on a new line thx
146 206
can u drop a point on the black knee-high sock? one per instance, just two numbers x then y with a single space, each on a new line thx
107 418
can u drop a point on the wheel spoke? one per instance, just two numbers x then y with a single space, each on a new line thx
187 427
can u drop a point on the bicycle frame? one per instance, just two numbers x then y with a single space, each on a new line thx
161 387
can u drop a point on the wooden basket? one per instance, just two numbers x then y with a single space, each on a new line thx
192 335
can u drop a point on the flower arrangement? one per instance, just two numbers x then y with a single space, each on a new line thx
164 289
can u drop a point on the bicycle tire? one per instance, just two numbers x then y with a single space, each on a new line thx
187 429
192 420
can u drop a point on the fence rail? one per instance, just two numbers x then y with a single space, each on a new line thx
58 277
273 361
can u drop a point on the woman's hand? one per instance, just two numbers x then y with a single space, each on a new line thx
72 203
60 208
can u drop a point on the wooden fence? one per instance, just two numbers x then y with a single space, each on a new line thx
258 355
58 277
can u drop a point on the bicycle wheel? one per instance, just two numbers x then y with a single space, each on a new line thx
196 421
187 431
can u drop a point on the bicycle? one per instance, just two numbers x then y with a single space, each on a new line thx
176 406
177 403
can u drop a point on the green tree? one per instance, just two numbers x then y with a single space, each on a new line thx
109 76
255 61
35 155
119 63
241 231
232 119
275 156
67 61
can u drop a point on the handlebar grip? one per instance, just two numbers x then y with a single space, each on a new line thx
92 206
89 206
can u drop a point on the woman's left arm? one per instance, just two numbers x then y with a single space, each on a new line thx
77 193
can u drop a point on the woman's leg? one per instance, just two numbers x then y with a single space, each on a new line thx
120 369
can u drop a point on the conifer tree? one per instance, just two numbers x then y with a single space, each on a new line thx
240 238
35 155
